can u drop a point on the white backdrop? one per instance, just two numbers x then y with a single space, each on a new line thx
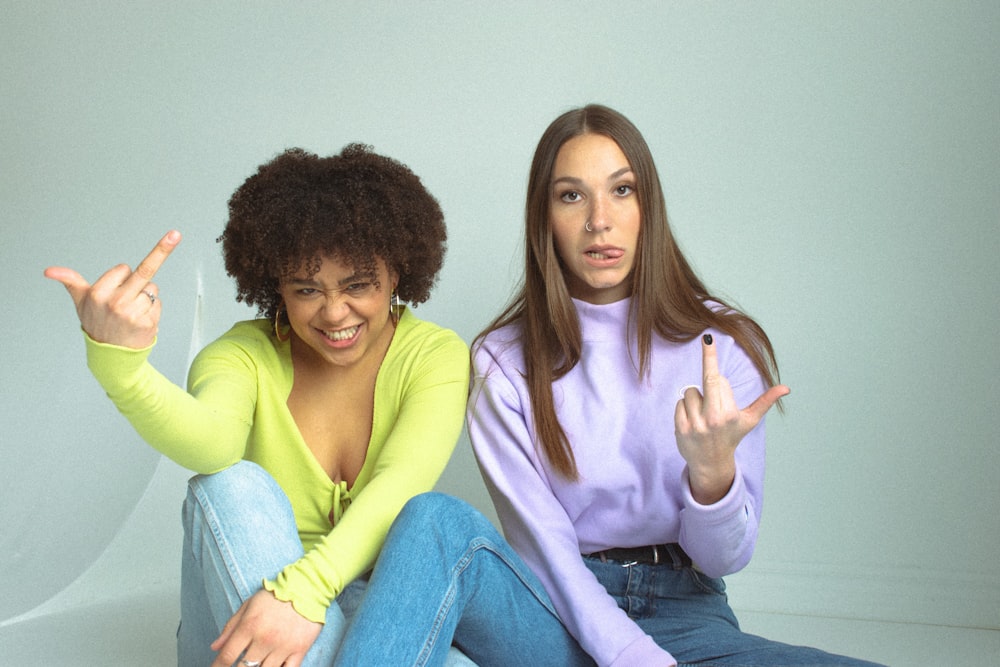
831 167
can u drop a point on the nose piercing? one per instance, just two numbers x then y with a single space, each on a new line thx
588 227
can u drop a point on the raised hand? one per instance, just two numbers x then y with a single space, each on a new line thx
122 307
265 631
709 427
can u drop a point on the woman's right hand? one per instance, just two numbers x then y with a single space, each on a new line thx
267 632
122 307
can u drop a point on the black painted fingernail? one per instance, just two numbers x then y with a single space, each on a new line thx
707 338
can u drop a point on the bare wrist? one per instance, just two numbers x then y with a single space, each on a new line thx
710 486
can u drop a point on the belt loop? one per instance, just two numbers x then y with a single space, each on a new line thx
656 555
676 561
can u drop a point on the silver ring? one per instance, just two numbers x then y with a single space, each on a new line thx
588 227
152 300
251 663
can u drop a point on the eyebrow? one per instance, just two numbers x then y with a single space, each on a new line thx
353 278
576 181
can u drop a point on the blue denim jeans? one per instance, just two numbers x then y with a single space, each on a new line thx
239 529
688 614
445 574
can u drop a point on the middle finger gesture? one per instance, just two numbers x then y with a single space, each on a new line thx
710 425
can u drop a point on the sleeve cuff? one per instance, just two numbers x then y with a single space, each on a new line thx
644 651
310 609
114 361
730 505
107 359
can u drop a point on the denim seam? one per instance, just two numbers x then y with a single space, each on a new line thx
697 581
445 608
229 561
476 545
482 543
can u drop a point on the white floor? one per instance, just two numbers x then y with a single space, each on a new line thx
140 631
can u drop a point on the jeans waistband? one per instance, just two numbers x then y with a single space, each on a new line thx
653 554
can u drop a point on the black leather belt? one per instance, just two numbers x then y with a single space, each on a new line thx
653 554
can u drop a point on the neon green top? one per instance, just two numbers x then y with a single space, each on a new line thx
235 408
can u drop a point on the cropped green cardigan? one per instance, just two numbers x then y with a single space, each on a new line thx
236 408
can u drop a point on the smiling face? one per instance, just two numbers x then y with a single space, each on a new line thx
595 217
339 314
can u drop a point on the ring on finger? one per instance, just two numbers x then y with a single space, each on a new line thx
250 663
152 300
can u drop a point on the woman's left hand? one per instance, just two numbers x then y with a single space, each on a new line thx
266 632
709 427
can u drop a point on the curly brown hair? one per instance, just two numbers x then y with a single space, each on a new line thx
357 206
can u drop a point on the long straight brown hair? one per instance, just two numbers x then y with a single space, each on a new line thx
668 299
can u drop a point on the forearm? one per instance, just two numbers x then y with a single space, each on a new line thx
172 421
719 537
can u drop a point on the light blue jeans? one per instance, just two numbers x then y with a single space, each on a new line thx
445 574
688 614
239 529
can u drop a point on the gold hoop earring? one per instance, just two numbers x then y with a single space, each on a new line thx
395 307
277 327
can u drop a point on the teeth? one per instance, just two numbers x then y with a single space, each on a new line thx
342 334
597 255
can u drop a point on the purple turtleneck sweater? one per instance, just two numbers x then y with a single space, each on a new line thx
632 488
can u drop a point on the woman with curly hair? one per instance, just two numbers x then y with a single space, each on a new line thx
311 427
617 413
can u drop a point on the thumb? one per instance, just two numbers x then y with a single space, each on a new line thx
753 413
71 280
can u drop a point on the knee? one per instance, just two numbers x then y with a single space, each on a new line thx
436 512
244 479
434 504
243 494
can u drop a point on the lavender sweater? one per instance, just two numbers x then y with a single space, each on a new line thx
632 489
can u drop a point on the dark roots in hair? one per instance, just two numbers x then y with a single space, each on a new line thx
357 207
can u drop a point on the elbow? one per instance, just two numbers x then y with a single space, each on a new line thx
719 555
713 566
210 465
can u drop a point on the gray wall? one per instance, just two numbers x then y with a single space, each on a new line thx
832 167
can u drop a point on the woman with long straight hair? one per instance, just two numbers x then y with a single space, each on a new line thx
617 413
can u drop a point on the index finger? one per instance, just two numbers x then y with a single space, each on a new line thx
152 262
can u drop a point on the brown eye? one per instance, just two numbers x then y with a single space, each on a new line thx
570 196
